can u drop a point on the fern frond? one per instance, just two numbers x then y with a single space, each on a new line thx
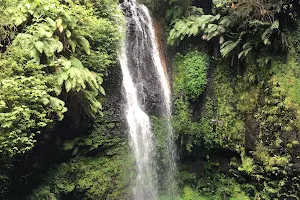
246 49
84 44
228 46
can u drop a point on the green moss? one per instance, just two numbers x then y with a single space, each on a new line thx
100 177
286 80
190 194
230 127
215 186
111 125
43 194
70 144
220 124
224 189
191 74
258 105
247 163
183 125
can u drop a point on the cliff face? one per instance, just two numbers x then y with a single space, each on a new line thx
237 130
245 125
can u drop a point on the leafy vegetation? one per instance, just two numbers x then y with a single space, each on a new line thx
193 74
240 26
190 80
54 57
231 119
248 114
52 52
102 177
235 116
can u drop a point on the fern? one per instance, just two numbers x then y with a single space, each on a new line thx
191 26
246 49
84 43
228 46
268 32
242 21
75 78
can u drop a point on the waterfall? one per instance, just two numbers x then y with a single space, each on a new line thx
147 92
141 137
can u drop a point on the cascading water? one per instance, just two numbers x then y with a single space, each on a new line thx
146 89
141 136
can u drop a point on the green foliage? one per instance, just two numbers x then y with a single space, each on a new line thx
190 194
210 188
230 128
101 136
178 9
220 125
44 194
252 109
252 25
189 83
27 105
73 77
260 105
52 51
184 127
286 75
100 177
211 185
25 110
247 163
191 26
191 77
99 165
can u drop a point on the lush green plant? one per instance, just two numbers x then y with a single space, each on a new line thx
240 26
220 124
177 10
185 129
101 177
258 104
191 77
99 165
230 128
211 185
52 52
25 109
189 194
252 109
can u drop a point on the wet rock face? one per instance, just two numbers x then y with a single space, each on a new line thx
252 131
140 60
114 103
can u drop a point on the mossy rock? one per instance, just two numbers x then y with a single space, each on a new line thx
101 177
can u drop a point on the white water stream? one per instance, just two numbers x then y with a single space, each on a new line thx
138 53
166 112
140 135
